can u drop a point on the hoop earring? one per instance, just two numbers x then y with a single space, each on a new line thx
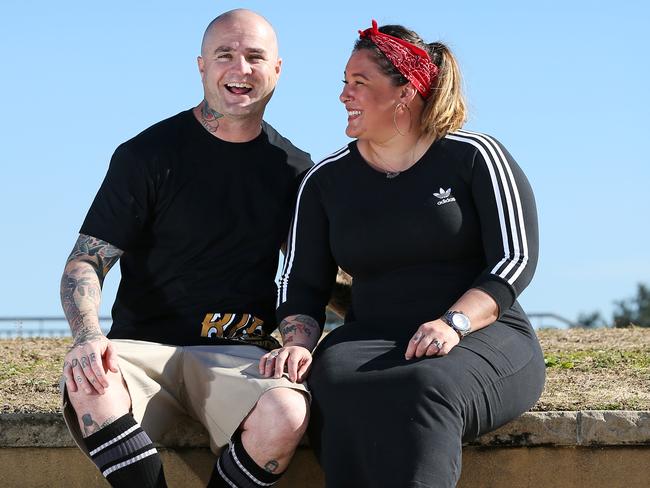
395 118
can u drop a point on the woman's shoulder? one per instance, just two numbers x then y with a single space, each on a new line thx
332 161
472 141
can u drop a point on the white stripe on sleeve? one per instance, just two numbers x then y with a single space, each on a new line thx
288 262
494 157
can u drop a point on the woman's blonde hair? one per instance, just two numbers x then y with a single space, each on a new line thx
444 110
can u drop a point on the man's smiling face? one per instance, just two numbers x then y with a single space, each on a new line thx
239 65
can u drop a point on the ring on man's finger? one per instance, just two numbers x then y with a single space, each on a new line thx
437 343
273 354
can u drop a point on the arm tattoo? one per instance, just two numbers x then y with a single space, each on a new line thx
81 283
301 329
99 254
209 117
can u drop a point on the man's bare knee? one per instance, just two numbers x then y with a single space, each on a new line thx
95 411
286 409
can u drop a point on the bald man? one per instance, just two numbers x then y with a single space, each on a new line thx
195 208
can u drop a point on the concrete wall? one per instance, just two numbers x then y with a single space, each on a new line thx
541 450
517 467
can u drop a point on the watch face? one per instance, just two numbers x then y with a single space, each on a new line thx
460 322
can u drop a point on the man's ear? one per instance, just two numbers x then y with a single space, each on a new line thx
201 65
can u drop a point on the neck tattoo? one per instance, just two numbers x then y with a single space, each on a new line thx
209 117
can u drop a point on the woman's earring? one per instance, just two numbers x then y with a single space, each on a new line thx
406 107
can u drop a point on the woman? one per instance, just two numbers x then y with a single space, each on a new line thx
437 226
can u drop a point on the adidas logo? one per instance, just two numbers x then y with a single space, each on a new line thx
443 193
444 196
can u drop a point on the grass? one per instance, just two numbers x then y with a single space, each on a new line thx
602 369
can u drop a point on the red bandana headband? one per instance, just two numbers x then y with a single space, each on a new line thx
413 62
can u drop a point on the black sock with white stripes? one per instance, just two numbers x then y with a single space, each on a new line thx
236 469
125 455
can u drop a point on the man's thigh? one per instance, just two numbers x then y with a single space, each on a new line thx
216 385
223 384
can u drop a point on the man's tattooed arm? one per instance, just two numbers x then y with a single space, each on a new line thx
299 330
81 284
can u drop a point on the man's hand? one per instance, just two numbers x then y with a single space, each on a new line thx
296 360
87 362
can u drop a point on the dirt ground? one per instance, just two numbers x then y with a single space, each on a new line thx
598 369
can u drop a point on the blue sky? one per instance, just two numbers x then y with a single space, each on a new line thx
564 85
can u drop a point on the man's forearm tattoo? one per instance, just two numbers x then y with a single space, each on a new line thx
301 329
81 285
209 117
80 297
271 466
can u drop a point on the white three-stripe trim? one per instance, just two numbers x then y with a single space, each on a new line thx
134 459
288 263
223 475
114 440
519 257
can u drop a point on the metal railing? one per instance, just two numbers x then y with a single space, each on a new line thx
58 326
40 326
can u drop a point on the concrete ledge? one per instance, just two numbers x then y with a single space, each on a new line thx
593 449
533 429
586 428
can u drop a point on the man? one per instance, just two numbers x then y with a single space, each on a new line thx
196 208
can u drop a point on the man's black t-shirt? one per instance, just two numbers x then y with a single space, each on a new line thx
200 221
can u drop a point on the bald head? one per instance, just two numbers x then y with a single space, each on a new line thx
243 20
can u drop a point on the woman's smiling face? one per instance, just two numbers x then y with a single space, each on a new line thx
369 97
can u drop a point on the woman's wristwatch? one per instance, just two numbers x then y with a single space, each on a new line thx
458 321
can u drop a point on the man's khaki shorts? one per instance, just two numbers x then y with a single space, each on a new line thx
216 385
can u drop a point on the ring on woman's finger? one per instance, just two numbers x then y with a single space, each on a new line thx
437 343
273 354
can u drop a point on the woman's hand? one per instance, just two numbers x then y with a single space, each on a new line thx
296 360
433 338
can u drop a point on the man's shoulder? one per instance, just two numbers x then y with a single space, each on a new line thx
296 157
160 134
